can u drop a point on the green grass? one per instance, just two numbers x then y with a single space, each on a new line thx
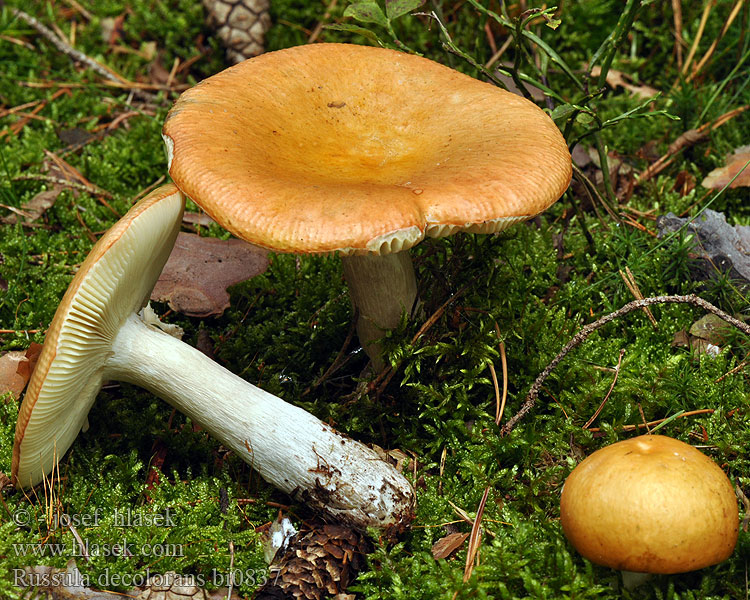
286 326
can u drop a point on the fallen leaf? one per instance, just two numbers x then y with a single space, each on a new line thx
717 246
26 367
158 456
199 271
447 545
681 339
112 29
16 368
75 136
617 79
511 86
36 207
205 344
684 183
59 171
10 380
158 73
711 328
735 162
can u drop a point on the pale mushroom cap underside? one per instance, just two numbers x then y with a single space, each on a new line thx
650 504
359 149
114 281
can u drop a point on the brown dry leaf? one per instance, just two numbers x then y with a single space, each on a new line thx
681 339
16 368
735 162
199 271
37 206
447 545
112 29
711 328
26 368
511 86
59 172
10 380
158 73
617 79
684 183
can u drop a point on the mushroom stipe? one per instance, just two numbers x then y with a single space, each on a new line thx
98 334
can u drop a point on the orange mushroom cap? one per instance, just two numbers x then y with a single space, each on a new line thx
651 504
362 150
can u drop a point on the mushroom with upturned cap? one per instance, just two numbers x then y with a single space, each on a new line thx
363 151
651 504
97 335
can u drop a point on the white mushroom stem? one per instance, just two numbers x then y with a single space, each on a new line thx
289 447
632 579
382 288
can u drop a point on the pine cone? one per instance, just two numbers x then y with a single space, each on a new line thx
318 564
241 25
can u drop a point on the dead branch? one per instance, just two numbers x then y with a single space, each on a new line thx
687 139
62 46
587 330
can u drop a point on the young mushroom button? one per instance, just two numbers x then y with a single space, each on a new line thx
363 151
651 504
97 334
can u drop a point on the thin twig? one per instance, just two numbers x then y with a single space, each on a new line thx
631 284
385 376
504 363
337 362
26 331
699 34
609 392
709 53
62 46
587 330
691 413
319 27
498 55
231 569
475 537
496 386
736 369
92 189
643 418
678 40
687 139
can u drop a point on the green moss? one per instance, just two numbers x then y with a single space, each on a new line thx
536 284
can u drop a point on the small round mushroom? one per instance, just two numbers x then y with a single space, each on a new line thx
363 151
98 335
651 504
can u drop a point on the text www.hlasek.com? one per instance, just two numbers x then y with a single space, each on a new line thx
87 549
